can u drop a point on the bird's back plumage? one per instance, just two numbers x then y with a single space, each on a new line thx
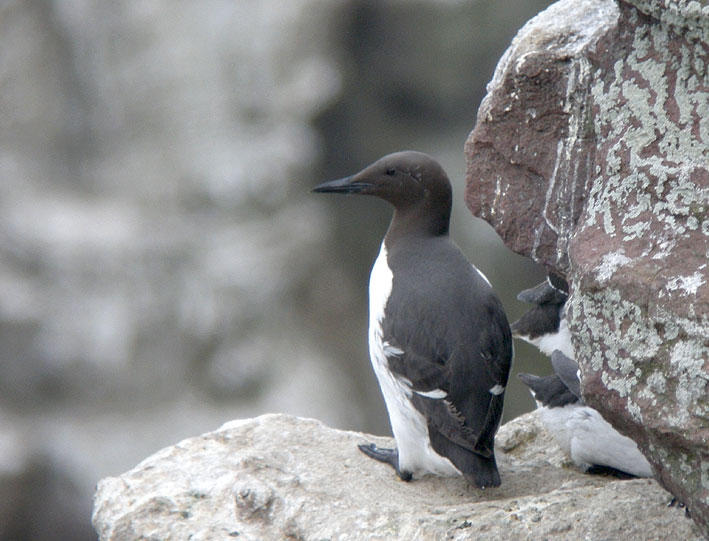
455 350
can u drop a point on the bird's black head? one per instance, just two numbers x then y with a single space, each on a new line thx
413 182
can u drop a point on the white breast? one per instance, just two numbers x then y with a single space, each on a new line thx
407 423
561 340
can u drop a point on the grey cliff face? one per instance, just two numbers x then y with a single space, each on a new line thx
591 155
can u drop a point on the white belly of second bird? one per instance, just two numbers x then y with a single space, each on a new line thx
408 425
590 440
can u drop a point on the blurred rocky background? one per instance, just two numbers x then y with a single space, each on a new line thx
163 268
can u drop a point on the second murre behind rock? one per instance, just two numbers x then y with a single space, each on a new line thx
591 442
544 325
439 340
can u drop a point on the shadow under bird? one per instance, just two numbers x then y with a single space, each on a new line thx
439 341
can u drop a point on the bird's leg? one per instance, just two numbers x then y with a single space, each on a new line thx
674 502
388 456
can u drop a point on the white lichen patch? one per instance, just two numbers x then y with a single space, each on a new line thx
615 337
638 109
657 383
620 340
499 192
664 248
635 411
622 325
697 326
687 364
610 263
686 285
704 469
624 386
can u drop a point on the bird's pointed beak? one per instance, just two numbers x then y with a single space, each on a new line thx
347 185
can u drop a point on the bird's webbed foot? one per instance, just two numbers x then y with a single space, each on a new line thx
674 502
388 456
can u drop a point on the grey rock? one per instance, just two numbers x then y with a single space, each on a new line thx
590 155
282 477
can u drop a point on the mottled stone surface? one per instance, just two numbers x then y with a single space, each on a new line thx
591 155
282 477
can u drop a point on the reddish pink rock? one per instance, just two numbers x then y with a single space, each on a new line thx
591 155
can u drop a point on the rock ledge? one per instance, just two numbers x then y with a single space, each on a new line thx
277 476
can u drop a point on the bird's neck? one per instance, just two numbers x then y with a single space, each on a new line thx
419 221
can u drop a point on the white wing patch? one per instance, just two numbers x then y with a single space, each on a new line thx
436 393
391 351
497 390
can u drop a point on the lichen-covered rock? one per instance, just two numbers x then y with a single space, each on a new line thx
591 155
281 477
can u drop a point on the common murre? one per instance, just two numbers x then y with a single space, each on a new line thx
591 442
439 341
544 325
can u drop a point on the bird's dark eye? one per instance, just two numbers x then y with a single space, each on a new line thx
391 172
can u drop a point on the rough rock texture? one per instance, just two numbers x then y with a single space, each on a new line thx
591 155
282 477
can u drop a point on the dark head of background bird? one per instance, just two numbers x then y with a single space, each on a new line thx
413 182
554 290
559 389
